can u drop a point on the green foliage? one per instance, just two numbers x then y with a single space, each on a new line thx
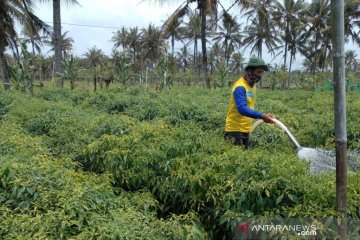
127 164
222 76
122 66
276 79
164 71
45 197
56 95
20 73
70 72
4 104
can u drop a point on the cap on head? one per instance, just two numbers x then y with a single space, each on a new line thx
256 62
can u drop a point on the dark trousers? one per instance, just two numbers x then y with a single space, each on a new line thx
238 138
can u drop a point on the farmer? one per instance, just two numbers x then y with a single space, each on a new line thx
242 102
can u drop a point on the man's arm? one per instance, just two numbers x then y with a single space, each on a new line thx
241 104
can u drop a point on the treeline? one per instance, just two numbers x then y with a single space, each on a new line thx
212 40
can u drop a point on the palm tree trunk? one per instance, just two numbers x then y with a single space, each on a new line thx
286 43
33 46
4 69
146 76
32 77
134 54
285 54
260 56
226 54
195 56
57 42
172 45
315 51
94 80
288 82
203 44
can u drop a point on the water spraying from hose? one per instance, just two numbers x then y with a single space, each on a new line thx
320 160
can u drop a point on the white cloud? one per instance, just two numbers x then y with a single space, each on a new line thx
118 13
106 13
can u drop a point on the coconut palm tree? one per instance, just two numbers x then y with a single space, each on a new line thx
351 61
173 30
43 66
319 27
183 57
133 41
66 44
256 34
31 36
191 29
151 43
237 62
206 8
95 58
296 41
310 65
352 20
319 31
215 56
229 35
289 17
58 67
12 12
192 33
120 38
287 14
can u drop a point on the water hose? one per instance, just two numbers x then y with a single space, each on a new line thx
283 127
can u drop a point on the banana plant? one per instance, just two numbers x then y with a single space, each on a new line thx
20 73
223 73
165 72
122 67
70 72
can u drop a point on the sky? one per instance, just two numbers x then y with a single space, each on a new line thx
111 15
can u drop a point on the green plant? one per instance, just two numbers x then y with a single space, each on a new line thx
20 73
122 65
83 165
164 72
222 75
70 72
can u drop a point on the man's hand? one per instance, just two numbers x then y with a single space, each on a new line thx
268 118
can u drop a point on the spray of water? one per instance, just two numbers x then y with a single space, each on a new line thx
320 160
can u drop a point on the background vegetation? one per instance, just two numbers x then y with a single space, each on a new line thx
212 40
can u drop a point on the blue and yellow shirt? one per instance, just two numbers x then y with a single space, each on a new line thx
241 108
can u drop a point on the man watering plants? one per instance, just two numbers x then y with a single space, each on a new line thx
242 102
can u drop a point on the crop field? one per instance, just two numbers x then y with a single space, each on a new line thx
135 164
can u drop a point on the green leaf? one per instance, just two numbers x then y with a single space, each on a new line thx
293 198
279 199
267 193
